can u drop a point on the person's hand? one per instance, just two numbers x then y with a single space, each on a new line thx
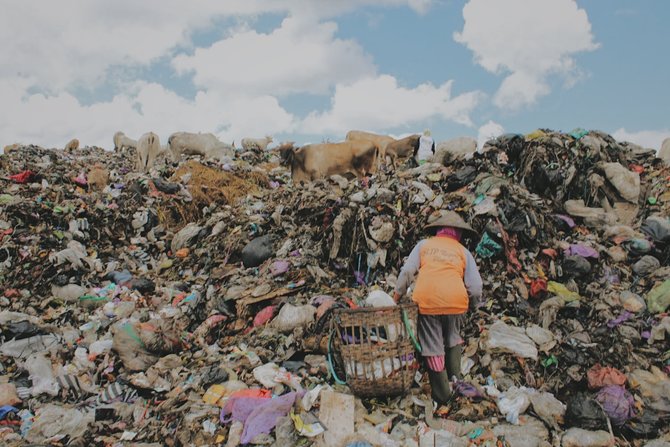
396 297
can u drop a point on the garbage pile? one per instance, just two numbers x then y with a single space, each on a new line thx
191 306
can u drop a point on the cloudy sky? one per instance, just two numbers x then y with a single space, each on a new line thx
310 70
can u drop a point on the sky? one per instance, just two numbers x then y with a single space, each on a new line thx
311 70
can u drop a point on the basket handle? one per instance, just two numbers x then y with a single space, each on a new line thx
331 368
405 320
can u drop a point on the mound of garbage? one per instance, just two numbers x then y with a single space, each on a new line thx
192 305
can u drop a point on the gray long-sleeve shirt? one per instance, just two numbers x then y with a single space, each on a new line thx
471 277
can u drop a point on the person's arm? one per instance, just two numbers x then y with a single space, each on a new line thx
472 279
408 271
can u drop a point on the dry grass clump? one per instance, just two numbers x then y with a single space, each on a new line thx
208 185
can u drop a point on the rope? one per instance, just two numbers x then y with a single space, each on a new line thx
330 361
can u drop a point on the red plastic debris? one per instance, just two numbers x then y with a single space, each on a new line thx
23 177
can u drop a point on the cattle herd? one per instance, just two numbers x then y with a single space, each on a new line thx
360 154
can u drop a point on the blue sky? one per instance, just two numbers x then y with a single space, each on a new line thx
310 70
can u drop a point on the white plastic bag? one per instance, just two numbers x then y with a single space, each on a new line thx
42 376
291 317
511 339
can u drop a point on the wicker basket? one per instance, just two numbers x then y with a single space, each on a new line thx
375 348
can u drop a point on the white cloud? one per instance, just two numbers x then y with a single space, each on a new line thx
528 41
53 120
379 103
299 56
645 138
488 131
52 51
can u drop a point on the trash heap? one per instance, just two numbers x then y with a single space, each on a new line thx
192 306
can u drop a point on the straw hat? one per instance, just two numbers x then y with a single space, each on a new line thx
447 219
426 132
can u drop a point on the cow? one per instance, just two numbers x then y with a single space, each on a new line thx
259 144
148 148
121 142
316 161
380 140
404 148
71 145
205 144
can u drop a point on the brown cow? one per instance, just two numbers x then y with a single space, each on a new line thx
380 140
404 147
316 161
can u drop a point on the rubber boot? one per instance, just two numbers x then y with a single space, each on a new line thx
453 361
439 385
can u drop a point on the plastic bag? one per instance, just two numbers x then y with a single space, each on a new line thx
53 420
654 386
511 339
617 402
548 408
600 376
291 317
577 437
514 402
658 299
42 376
28 346
585 412
626 182
131 349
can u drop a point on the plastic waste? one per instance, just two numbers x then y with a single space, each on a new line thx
258 251
291 317
41 375
31 345
52 420
600 376
511 339
617 402
577 437
583 411
514 402
658 299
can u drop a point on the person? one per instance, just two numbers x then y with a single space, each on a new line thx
447 285
426 147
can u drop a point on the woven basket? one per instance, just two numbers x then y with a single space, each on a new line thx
375 348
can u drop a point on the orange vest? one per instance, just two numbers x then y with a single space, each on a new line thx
439 287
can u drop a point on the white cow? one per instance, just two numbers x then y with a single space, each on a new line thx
121 142
148 148
260 144
205 144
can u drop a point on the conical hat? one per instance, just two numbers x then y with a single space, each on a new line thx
447 219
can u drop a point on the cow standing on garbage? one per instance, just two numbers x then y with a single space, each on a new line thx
316 161
148 148
205 144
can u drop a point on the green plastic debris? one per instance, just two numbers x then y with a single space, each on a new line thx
551 360
578 133
652 200
658 298
487 247
479 199
559 289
